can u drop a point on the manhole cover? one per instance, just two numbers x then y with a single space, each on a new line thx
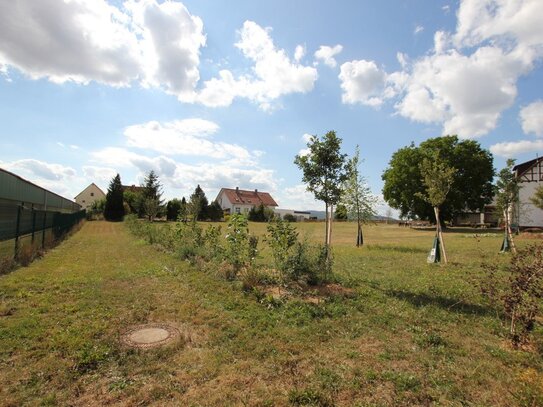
149 336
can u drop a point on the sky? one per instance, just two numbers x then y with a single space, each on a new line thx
225 94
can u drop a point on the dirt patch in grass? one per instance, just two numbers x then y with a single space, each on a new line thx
307 293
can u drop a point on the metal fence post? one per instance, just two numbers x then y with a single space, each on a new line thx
43 230
17 231
33 225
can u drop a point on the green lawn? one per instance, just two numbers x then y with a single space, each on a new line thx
413 333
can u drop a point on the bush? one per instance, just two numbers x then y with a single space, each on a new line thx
289 217
520 295
238 250
297 261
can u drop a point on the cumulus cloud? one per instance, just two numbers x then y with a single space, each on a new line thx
306 137
273 75
170 45
468 79
99 175
297 197
299 53
36 169
531 118
362 82
147 42
513 148
326 54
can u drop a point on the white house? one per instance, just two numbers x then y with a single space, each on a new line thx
241 201
298 215
89 195
530 175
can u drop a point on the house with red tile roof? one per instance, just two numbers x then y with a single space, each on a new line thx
241 201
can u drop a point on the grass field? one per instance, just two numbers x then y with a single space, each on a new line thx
412 334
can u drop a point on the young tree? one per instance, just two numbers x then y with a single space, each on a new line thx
507 191
357 197
437 178
471 189
183 211
152 192
134 200
260 214
114 209
324 172
172 209
198 204
341 212
537 199
215 212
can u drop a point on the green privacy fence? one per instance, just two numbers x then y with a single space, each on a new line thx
21 226
32 217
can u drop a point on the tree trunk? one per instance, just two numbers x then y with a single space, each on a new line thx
508 231
326 225
440 234
330 225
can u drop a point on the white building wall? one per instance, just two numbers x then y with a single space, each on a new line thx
89 195
530 216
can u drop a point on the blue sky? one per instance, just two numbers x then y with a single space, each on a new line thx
224 94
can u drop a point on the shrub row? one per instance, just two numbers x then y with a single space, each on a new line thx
234 253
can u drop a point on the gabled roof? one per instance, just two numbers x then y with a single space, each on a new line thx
90 185
522 168
242 196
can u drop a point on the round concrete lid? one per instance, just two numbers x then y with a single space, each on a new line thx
148 336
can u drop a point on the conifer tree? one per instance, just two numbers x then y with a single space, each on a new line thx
114 208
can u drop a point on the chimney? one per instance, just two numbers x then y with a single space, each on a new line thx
237 190
256 191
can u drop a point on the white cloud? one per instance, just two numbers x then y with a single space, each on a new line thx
297 197
36 169
147 42
468 79
418 29
306 138
513 148
99 175
362 82
92 43
326 54
531 118
461 91
299 53
170 45
273 74
502 20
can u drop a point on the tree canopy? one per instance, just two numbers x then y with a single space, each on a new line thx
471 187
324 170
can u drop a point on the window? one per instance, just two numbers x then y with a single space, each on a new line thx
245 210
238 210
92 193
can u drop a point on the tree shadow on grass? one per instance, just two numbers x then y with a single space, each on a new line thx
394 248
446 303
